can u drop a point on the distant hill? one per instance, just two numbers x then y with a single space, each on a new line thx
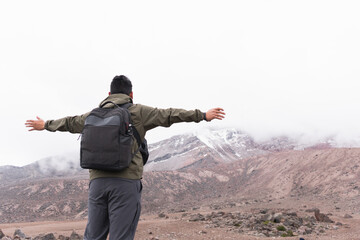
222 167
204 149
51 167
211 147
319 174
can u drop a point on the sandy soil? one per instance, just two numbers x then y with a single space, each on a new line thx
147 229
152 227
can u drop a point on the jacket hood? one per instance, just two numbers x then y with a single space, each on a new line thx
117 98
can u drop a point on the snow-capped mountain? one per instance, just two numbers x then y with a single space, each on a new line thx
204 148
209 147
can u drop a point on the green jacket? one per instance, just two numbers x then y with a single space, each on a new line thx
143 118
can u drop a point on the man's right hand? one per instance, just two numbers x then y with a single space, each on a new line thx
215 113
38 124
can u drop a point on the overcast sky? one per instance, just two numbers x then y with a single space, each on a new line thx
276 67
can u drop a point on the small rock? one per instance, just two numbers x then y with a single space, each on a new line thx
311 210
161 215
18 233
232 205
276 218
1 234
347 216
75 236
215 207
49 236
294 214
264 211
322 217
62 237
6 238
197 217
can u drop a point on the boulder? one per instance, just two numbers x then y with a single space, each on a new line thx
320 217
75 236
62 237
6 238
49 236
197 217
19 234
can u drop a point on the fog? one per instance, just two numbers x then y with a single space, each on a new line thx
276 67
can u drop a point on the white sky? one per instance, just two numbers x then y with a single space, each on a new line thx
276 67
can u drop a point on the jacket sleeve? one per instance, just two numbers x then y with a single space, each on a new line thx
74 124
154 117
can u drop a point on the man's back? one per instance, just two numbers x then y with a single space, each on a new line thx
143 118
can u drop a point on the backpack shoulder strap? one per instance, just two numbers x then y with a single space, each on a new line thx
125 105
137 136
136 133
104 103
142 144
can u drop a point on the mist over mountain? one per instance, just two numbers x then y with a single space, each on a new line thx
211 147
205 148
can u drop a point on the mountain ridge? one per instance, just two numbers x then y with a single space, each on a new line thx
195 150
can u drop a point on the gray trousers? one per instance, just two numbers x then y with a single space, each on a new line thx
114 208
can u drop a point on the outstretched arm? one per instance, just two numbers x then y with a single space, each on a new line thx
38 124
73 124
154 117
215 113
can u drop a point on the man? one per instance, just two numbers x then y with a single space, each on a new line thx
114 197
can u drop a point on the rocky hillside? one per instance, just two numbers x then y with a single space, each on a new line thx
51 167
317 176
44 199
188 151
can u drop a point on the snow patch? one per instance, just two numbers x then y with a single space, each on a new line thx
206 137
206 173
222 178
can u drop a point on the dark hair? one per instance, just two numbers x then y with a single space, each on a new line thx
121 84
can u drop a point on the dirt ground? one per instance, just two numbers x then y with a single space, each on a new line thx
152 227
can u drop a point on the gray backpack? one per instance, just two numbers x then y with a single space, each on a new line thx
107 139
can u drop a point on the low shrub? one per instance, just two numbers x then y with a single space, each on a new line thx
281 228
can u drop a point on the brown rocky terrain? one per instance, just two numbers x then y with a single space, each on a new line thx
325 174
258 197
227 223
216 185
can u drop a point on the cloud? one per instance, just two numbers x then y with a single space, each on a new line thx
58 164
277 67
